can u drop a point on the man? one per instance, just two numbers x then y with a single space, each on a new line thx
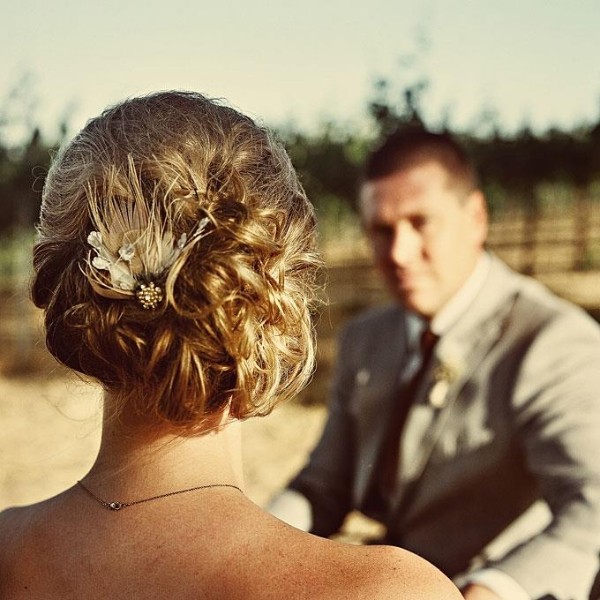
475 394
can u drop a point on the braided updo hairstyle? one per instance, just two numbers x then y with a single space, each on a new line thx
232 328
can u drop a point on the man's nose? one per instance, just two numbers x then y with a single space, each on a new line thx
405 244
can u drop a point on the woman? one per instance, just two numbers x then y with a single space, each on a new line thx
176 265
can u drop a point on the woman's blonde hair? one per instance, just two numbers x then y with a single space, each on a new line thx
233 326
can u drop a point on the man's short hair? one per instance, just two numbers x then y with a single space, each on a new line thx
412 147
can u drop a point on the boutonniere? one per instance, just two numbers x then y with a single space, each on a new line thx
446 372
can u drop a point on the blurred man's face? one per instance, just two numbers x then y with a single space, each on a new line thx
426 235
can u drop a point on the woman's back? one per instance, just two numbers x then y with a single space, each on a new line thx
217 546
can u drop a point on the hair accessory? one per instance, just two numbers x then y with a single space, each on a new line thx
115 505
149 295
132 251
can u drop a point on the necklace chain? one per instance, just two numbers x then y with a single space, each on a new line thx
116 505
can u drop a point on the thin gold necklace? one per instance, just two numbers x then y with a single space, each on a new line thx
115 505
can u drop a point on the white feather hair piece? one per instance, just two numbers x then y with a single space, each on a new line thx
132 247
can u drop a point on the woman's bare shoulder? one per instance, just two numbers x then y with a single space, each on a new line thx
13 528
22 530
385 572
390 573
16 522
338 571
13 523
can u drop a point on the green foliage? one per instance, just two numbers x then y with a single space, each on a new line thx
390 116
555 196
328 162
336 218
513 168
22 171
497 198
15 258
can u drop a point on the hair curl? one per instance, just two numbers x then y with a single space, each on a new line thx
234 330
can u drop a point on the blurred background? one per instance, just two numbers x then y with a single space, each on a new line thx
518 82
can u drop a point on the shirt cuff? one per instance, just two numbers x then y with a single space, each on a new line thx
293 508
500 583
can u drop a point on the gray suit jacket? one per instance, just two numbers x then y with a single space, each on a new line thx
510 413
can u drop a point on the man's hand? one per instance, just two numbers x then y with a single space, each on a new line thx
478 592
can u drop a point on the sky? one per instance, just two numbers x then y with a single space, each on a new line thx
304 62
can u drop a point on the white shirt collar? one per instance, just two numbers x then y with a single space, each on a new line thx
458 304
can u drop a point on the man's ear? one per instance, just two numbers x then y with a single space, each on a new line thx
478 209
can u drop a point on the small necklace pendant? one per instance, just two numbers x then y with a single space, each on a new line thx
115 505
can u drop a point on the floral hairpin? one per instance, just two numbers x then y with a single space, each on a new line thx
140 258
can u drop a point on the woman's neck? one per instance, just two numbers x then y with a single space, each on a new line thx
135 461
